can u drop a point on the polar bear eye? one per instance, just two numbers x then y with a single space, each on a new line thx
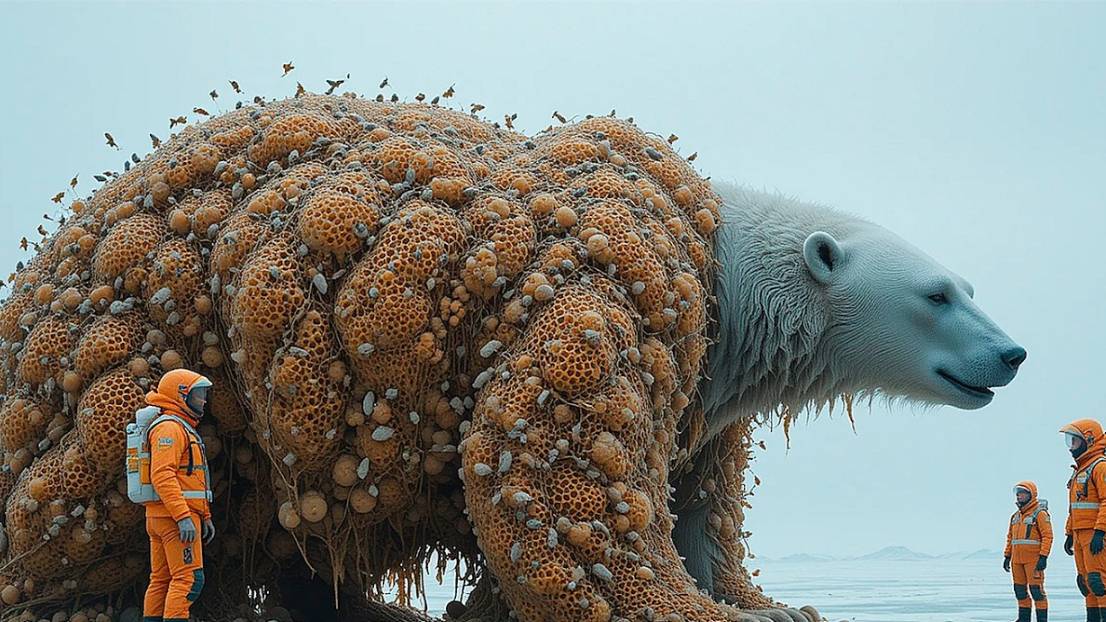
939 299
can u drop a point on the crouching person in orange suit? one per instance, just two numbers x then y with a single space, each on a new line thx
180 521
1086 525
1028 542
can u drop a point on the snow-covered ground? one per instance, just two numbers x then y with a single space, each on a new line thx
895 585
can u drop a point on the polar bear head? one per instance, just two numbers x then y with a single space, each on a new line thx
903 323
813 303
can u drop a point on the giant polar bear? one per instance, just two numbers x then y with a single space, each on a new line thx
436 335
814 304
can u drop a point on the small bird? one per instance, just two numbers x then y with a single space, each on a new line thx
23 244
509 119
154 140
384 83
175 121
111 141
477 108
672 138
420 97
201 111
691 158
214 94
335 84
449 92
73 182
58 197
558 116
288 67
42 231
234 85
300 90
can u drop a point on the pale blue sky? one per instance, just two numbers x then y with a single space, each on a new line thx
974 131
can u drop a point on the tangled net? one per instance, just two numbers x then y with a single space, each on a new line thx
374 289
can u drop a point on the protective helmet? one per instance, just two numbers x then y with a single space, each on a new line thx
1027 487
1082 435
187 389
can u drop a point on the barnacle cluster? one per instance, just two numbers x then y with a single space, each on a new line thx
417 323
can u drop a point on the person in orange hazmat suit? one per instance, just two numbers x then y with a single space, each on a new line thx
178 472
1028 542
1085 529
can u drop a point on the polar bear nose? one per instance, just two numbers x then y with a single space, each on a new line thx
1014 357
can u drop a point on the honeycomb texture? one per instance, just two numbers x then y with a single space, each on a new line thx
426 333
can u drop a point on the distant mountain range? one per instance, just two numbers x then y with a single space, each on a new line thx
888 553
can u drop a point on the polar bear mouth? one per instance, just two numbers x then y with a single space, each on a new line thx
966 388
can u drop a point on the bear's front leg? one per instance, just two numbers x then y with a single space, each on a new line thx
565 471
710 502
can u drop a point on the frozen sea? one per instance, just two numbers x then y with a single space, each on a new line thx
931 590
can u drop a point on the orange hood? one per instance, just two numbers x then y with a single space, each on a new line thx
1091 431
1029 507
171 392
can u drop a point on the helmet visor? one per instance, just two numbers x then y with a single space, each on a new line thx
198 396
1073 440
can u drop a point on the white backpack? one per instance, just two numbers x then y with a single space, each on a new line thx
140 489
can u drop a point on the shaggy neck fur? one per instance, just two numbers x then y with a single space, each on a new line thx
774 321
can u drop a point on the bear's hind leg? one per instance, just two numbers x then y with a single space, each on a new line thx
709 502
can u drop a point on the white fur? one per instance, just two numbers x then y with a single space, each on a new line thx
792 332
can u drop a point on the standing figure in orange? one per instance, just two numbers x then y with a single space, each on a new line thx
178 472
1086 525
1028 542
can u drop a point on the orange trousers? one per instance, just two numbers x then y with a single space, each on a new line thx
1091 569
1028 581
176 570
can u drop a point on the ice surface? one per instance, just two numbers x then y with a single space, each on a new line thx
926 590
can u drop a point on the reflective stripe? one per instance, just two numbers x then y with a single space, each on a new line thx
1084 505
194 494
1016 542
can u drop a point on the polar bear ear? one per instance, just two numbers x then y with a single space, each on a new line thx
823 256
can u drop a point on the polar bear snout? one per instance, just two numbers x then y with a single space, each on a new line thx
1014 357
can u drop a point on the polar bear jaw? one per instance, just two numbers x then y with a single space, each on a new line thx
813 303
